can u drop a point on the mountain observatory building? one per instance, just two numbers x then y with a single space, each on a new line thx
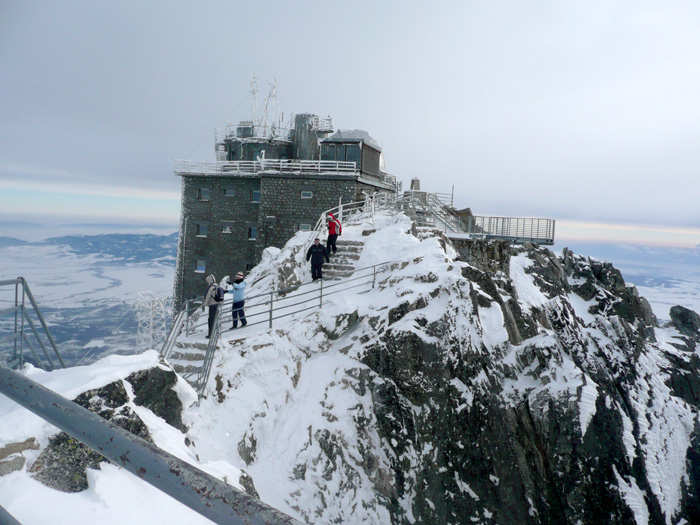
267 183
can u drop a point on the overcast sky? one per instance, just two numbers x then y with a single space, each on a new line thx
582 111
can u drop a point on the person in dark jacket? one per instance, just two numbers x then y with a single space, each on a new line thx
213 296
334 229
317 253
238 290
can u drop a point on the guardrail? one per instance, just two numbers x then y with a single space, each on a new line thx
189 485
265 308
517 229
19 317
251 167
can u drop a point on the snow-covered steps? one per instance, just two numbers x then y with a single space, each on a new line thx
187 359
344 261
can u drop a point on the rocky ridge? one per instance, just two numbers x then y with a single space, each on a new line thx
481 383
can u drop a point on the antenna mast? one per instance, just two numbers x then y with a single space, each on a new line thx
254 93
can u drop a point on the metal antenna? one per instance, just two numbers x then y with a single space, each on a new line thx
254 93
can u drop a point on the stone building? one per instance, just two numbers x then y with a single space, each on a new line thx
266 184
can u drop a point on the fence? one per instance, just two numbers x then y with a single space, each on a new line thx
266 308
517 229
25 327
251 167
192 487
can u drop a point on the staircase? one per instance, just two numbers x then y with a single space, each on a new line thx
187 359
344 261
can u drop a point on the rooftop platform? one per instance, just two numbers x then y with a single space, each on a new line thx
290 167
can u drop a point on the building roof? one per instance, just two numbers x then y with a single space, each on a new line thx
353 135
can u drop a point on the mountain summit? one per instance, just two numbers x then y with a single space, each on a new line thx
477 382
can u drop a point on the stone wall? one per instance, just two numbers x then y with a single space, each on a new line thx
282 209
229 214
224 253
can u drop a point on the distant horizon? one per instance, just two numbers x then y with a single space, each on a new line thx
43 226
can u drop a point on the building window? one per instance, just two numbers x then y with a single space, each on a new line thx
227 227
201 266
229 192
202 194
255 196
307 194
252 233
201 229
304 227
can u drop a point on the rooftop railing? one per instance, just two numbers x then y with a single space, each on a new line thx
251 167
536 230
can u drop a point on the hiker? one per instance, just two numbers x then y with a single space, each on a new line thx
334 229
213 296
317 253
238 291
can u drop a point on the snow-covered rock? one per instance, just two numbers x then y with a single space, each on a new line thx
476 383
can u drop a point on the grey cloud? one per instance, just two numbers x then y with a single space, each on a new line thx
584 111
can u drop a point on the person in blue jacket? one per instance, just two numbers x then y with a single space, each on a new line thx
238 290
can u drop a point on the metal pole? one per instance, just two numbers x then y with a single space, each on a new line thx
21 330
374 275
14 351
320 300
25 288
187 317
189 485
6 518
271 297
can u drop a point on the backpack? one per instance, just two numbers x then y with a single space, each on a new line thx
219 295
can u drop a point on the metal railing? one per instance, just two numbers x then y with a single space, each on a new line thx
257 131
189 485
173 334
265 308
251 167
517 229
19 326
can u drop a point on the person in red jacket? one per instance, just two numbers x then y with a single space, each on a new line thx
334 229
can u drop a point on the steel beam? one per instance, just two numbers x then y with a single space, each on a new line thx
6 518
189 485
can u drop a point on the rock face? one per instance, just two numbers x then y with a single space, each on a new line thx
508 386
557 424
62 464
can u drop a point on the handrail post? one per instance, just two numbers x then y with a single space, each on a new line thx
21 330
14 352
374 275
320 297
271 298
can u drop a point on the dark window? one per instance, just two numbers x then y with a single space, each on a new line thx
203 194
200 266
255 196
352 153
227 227
305 194
252 233
201 229
229 192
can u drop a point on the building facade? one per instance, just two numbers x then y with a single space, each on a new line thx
266 185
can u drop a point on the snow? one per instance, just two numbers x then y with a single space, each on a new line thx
634 497
493 324
587 403
581 308
114 495
292 393
528 293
